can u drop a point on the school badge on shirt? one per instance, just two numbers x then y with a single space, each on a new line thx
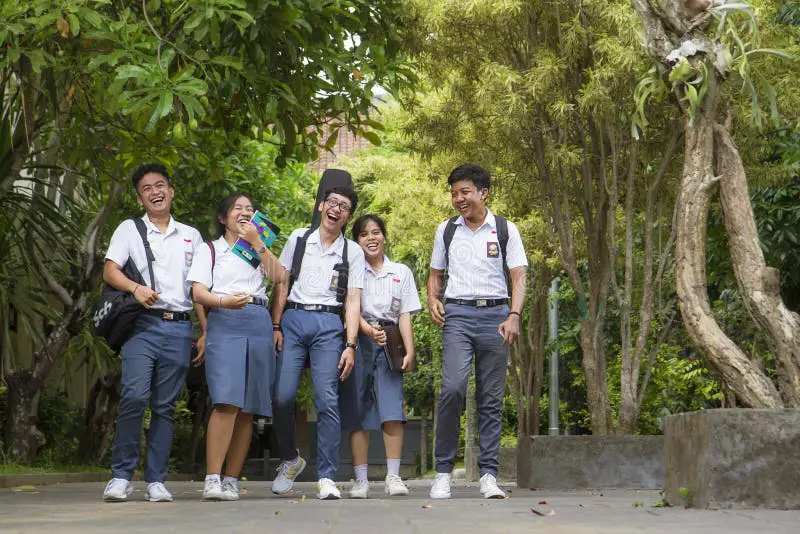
492 249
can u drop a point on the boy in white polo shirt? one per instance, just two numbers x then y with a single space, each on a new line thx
155 359
308 324
474 248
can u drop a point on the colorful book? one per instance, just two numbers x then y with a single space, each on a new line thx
267 230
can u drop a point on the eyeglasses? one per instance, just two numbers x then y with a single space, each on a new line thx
344 207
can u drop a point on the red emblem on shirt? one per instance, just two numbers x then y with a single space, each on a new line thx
188 240
494 231
396 280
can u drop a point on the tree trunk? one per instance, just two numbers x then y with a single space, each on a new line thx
423 444
751 386
101 413
759 284
23 439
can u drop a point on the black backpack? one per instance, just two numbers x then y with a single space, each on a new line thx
343 268
115 313
450 231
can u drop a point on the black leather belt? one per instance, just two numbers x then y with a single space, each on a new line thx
386 323
478 303
258 301
169 315
313 307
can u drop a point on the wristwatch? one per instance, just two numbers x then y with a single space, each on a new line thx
262 250
349 345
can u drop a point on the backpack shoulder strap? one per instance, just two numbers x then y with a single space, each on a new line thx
297 257
502 236
140 226
449 232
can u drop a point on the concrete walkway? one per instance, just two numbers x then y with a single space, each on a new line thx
78 508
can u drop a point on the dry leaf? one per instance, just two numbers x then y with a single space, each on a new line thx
293 501
27 488
303 498
277 512
243 491
427 506
542 502
63 26
537 512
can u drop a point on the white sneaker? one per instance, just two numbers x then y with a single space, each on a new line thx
117 490
327 490
212 491
156 492
489 488
360 490
231 490
288 471
395 485
441 486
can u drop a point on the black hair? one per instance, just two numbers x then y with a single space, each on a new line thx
148 168
475 174
346 192
225 206
362 221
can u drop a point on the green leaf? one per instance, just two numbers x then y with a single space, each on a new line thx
228 61
74 24
132 71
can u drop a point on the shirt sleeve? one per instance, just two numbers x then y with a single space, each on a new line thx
355 278
288 250
119 249
515 252
437 258
409 296
200 271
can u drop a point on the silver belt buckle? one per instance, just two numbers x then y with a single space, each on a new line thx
168 316
481 303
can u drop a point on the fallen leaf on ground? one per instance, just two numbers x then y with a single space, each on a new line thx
293 501
537 512
543 514
427 506
25 488
277 512
303 498
542 502
551 512
243 492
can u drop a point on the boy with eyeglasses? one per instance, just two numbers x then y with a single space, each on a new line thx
327 277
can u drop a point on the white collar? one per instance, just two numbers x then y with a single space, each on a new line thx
489 219
171 227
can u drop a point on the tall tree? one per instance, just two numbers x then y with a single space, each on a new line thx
702 47
542 93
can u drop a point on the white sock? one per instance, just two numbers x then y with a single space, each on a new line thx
361 472
212 477
232 480
393 466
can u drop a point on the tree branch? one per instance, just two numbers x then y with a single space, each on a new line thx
50 280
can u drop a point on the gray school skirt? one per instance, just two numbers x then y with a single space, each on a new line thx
240 358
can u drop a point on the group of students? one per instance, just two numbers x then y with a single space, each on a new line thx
333 299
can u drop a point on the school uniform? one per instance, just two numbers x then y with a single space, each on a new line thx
156 358
476 302
312 327
240 358
373 394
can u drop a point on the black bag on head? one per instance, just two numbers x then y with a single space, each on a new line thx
114 315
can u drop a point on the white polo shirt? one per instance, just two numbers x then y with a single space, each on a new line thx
173 251
231 273
476 262
315 285
388 293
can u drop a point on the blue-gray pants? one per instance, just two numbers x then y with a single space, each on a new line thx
470 331
155 361
320 336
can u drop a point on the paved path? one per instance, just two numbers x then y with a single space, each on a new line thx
77 508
